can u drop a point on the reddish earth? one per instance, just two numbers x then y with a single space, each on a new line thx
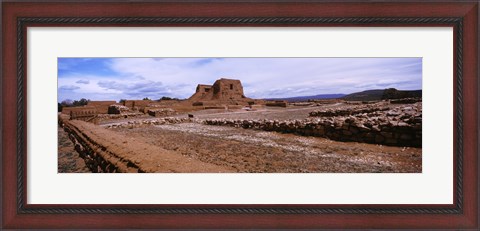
229 149
258 151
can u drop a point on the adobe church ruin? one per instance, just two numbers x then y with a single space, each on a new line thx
223 92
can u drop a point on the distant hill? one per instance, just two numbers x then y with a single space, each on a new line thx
312 97
390 93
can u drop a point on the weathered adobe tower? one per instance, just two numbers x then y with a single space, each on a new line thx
223 91
228 89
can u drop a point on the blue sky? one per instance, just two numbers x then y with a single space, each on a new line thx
136 78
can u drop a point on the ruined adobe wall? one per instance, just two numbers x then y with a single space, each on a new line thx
101 106
85 113
107 151
68 110
203 92
136 104
222 93
228 89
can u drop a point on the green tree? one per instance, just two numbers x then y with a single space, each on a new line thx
80 102
168 98
67 103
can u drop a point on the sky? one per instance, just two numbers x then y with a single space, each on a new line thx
137 78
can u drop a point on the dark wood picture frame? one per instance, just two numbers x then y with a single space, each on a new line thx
462 16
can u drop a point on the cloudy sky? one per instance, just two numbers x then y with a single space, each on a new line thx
136 78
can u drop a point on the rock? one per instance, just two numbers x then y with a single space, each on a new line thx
387 134
406 136
379 139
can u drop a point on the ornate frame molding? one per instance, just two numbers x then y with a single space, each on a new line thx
24 22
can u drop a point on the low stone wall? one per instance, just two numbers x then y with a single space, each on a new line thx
347 111
398 127
405 100
117 109
107 151
149 122
160 112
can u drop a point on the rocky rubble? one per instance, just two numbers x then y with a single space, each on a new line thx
125 115
149 122
348 111
159 112
118 109
405 100
399 126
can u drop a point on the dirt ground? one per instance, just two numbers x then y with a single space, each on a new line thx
258 151
68 159
248 150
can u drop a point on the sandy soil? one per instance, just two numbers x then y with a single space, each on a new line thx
258 151
68 159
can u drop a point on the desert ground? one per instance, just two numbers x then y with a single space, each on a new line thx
212 140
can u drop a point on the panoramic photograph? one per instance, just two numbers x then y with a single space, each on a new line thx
239 115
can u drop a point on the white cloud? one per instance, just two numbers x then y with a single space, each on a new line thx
261 77
83 81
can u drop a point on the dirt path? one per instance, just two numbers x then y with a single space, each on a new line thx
258 151
68 159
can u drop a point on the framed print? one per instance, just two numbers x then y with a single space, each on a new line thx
240 115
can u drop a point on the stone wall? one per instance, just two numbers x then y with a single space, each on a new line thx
405 101
348 111
150 122
160 112
394 134
399 126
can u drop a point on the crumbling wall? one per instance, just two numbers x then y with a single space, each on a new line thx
150 122
393 134
101 106
66 110
136 105
160 112
228 89
118 109
85 113
348 111
398 126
